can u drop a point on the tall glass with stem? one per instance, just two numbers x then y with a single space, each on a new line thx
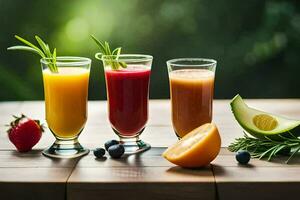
128 97
66 95
192 89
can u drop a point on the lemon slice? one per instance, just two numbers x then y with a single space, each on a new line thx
197 148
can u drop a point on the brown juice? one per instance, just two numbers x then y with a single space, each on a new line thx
191 98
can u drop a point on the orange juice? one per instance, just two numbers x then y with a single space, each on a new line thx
191 98
66 96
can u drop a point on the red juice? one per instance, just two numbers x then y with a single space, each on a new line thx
127 95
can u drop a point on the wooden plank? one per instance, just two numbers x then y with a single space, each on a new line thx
265 178
34 109
98 109
39 175
259 179
223 117
227 159
98 127
253 173
258 190
90 183
7 109
150 158
33 183
137 191
141 175
32 191
33 176
146 176
257 182
96 136
33 159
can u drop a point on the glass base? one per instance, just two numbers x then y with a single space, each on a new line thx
65 149
134 145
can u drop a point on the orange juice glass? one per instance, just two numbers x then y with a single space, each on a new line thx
191 89
66 95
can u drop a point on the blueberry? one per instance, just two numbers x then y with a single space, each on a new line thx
243 157
116 151
110 143
99 152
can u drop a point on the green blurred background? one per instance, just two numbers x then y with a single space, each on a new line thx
256 42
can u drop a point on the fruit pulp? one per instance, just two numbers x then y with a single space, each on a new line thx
191 98
66 94
127 94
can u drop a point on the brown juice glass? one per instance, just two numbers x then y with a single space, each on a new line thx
191 89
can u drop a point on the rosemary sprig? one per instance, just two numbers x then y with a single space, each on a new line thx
111 56
44 50
267 148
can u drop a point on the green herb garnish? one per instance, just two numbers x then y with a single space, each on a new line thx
44 51
111 57
267 148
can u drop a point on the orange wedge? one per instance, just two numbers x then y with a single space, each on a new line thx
197 148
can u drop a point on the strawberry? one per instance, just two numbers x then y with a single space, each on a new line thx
24 132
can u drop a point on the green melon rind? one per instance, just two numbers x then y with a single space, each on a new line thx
241 112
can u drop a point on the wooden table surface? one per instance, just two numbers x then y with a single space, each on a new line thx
148 175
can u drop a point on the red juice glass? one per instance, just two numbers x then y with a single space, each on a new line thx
128 96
